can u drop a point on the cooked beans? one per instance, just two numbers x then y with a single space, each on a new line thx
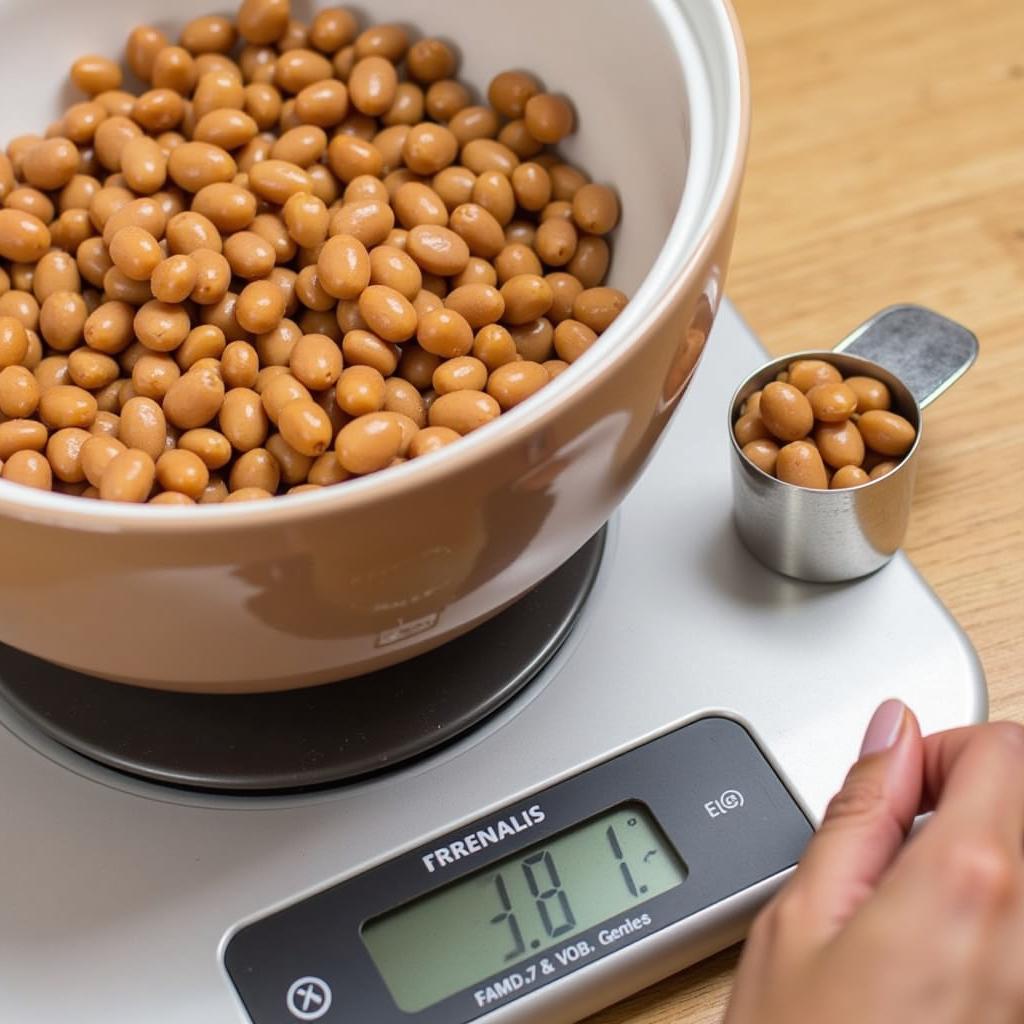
273 272
841 433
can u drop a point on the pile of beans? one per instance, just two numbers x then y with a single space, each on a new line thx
303 253
812 428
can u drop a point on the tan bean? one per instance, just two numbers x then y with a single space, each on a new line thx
302 146
255 469
387 313
239 365
249 255
307 219
832 403
128 477
30 469
19 392
516 136
494 346
194 165
95 454
351 157
527 297
213 277
263 104
261 22
514 382
305 427
870 393
225 129
51 164
369 443
65 405
173 279
481 155
244 494
153 374
275 347
194 399
212 447
143 425
343 267
316 361
786 412
438 250
509 92
279 391
535 340
565 288
144 43
92 370
473 122
362 348
109 328
260 307
216 492
595 208
479 229
360 390
64 453
161 326
566 181
477 271
881 469
156 111
136 253
188 231
763 453
277 180
13 341
840 443
273 230
848 476
431 439
393 268
21 435
401 397
517 259
299 68
556 242
598 307
23 236
243 419
805 374
572 339
479 304
463 411
799 463
886 432
460 374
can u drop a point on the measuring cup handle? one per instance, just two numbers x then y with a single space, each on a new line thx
927 351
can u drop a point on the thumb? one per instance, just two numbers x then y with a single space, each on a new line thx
865 823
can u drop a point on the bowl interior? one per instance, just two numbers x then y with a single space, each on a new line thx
627 82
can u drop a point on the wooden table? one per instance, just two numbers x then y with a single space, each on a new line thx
887 165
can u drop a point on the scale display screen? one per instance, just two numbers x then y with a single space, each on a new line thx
522 907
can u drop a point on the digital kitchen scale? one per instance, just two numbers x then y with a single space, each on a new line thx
582 832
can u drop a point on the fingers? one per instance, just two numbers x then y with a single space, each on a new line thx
865 824
974 780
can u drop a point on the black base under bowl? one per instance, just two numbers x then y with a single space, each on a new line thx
312 737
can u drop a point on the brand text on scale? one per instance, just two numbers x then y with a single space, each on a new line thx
504 828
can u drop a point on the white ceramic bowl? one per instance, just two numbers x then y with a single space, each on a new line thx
326 585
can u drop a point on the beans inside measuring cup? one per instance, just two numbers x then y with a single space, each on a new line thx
812 428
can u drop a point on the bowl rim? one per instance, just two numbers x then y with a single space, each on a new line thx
708 215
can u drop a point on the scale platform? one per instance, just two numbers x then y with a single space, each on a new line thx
695 720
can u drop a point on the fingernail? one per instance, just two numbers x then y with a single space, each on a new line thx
884 728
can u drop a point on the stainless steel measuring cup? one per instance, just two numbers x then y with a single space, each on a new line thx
831 535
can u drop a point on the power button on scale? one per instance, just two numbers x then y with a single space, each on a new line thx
308 998
726 802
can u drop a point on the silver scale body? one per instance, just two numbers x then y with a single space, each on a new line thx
116 897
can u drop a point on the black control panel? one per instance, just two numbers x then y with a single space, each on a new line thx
403 942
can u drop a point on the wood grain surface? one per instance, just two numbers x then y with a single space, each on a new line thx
887 165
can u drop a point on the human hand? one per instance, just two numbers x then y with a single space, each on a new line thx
876 929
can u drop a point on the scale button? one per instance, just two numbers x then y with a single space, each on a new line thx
308 998
724 803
